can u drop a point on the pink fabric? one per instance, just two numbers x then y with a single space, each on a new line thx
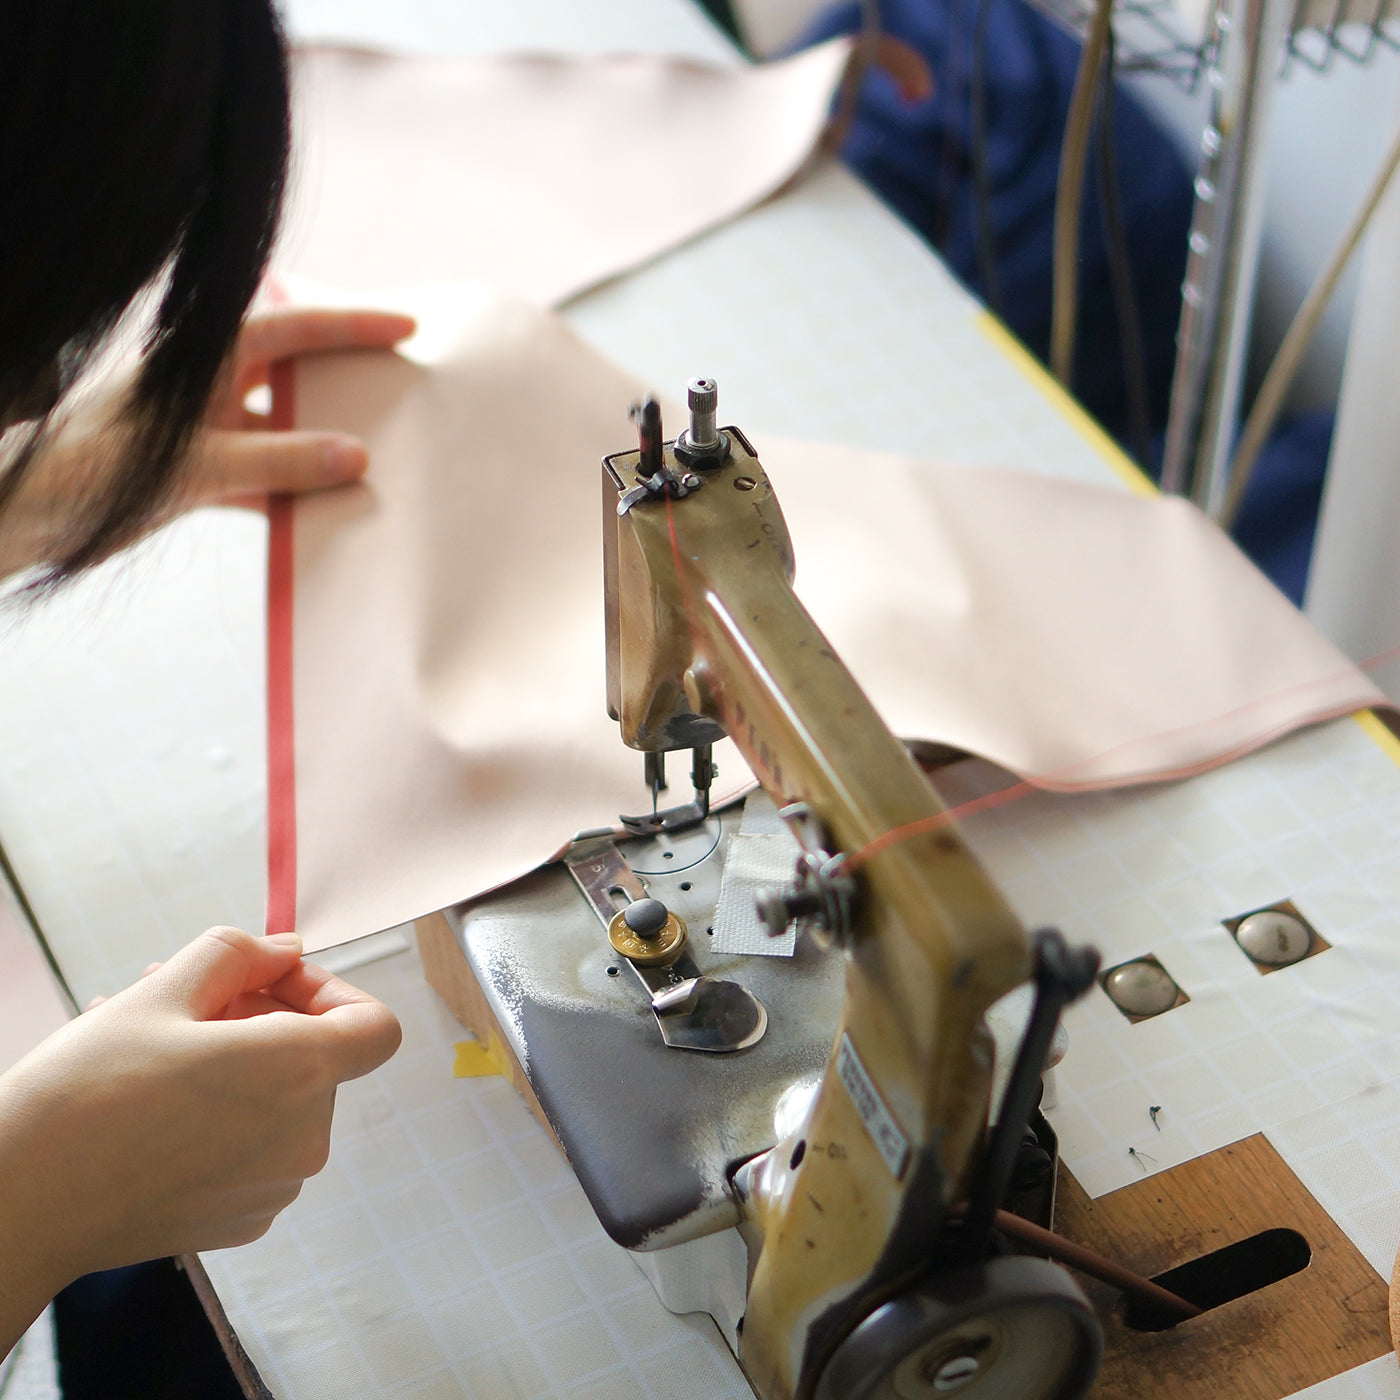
1079 637
542 175
447 631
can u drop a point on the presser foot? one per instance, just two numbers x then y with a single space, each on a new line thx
680 818
1010 1328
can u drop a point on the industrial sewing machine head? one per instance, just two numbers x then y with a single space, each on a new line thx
830 1176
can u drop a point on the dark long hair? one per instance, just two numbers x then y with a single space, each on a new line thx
143 147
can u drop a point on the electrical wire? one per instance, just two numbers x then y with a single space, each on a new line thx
1269 400
1120 268
981 194
1069 197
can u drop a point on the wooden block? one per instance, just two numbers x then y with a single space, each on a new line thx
450 975
1317 1323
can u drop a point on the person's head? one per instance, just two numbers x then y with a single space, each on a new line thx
143 145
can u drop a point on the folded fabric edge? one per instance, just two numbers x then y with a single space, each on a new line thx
1126 778
838 52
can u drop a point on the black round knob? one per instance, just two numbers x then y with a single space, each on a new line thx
646 917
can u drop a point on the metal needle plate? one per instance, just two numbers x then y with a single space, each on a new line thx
693 1011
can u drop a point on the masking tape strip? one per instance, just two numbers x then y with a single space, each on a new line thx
472 1059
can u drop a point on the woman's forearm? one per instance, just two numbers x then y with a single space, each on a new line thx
36 1258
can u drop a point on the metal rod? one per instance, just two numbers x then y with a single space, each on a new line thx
1061 975
1224 249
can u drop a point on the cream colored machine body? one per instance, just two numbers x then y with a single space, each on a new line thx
842 1127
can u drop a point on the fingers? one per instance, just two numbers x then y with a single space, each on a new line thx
231 976
342 1043
314 991
282 334
250 1004
361 1031
238 458
206 976
366 1034
307 990
233 465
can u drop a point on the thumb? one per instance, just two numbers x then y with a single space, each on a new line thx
232 465
221 965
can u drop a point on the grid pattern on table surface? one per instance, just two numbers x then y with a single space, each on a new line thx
132 769
447 1250
1348 1156
1314 818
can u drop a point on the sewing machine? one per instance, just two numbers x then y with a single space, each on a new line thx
799 1146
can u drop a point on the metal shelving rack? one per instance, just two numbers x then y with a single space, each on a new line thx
1248 45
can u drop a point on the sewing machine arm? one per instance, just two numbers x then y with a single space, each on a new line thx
846 1216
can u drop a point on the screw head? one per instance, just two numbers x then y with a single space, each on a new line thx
646 917
955 1373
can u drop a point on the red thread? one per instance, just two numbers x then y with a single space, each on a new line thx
281 732
1060 779
1055 780
682 582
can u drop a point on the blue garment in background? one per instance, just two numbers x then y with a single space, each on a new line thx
918 158
1278 516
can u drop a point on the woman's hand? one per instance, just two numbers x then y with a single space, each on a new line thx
241 456
182 1114
237 458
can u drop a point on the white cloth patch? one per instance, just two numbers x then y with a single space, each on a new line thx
762 852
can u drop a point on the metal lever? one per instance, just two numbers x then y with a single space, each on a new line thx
654 477
708 1013
1062 975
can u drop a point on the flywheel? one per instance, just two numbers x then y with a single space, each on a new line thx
1011 1328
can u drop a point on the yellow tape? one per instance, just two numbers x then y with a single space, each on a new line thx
473 1059
1379 735
1063 404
